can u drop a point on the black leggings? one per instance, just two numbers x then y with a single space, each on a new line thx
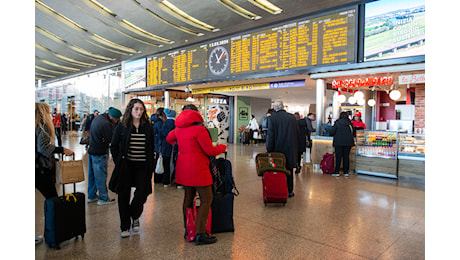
135 209
206 197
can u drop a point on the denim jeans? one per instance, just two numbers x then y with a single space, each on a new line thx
97 176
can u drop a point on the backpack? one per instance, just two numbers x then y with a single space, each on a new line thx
226 183
327 163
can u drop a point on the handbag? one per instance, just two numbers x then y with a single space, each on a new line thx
191 215
69 171
84 138
159 168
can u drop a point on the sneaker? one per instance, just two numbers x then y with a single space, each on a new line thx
180 187
166 185
136 225
124 233
38 240
92 200
291 194
335 175
203 239
105 202
345 175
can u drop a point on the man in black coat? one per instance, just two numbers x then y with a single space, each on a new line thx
282 137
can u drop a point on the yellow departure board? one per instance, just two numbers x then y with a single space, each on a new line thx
302 43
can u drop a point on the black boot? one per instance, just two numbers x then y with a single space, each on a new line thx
202 239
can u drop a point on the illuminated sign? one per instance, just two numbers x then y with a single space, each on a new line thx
363 82
412 79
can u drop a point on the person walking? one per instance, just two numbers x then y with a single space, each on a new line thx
45 149
302 139
132 149
166 148
100 136
157 120
252 126
283 133
342 131
192 170
57 126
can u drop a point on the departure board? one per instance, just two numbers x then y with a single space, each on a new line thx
322 40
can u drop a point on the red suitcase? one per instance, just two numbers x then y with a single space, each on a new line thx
274 187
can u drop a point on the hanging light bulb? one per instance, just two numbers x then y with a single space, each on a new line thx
371 102
361 102
351 100
341 98
359 95
395 94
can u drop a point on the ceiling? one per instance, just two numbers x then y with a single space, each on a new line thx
67 32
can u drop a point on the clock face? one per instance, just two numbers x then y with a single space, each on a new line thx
218 60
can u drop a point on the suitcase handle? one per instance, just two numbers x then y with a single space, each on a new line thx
67 197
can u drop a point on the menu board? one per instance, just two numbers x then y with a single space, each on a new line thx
306 42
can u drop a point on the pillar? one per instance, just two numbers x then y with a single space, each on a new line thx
320 104
167 99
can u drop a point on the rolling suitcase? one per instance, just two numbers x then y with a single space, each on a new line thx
64 218
274 187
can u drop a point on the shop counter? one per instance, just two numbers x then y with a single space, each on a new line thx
322 145
411 156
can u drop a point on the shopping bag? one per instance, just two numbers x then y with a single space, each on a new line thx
191 215
159 168
69 171
255 135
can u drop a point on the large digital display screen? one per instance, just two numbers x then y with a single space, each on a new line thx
134 74
394 29
321 40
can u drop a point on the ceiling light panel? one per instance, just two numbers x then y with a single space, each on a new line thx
70 23
267 6
64 58
56 65
239 10
173 10
50 71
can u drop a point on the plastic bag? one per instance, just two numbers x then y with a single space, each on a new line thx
191 215
159 168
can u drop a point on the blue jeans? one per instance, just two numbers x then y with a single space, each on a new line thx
97 176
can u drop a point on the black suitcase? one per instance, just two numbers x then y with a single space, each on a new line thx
245 137
222 214
64 218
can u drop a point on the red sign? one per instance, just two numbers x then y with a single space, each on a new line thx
363 82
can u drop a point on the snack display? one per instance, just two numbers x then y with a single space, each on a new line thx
412 144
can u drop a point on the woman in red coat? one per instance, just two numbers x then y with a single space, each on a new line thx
192 170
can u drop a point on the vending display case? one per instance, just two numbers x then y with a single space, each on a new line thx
377 153
411 156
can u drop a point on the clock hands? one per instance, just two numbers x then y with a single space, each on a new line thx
219 58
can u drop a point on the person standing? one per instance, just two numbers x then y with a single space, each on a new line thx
342 142
310 129
132 150
166 148
45 149
157 120
282 137
57 126
64 124
302 139
265 120
192 170
100 136
252 126
89 120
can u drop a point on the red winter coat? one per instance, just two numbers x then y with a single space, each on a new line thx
195 146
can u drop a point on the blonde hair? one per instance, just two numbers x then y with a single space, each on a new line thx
43 118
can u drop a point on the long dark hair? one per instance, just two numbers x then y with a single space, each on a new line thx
344 115
128 118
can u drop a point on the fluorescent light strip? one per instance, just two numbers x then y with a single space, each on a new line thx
44 75
181 15
49 11
267 6
124 23
239 10
179 27
55 38
56 65
108 15
62 57
52 71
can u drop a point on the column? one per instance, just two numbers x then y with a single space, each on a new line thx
320 104
167 99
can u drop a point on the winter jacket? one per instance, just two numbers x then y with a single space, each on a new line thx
283 132
157 124
44 150
343 133
100 135
195 146
302 138
167 127
119 149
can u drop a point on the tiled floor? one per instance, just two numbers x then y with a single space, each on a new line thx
359 217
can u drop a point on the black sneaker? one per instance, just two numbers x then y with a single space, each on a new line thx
202 239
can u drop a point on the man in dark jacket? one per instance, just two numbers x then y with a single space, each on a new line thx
282 137
166 148
98 153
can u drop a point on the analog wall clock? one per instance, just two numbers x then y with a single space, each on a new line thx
218 60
